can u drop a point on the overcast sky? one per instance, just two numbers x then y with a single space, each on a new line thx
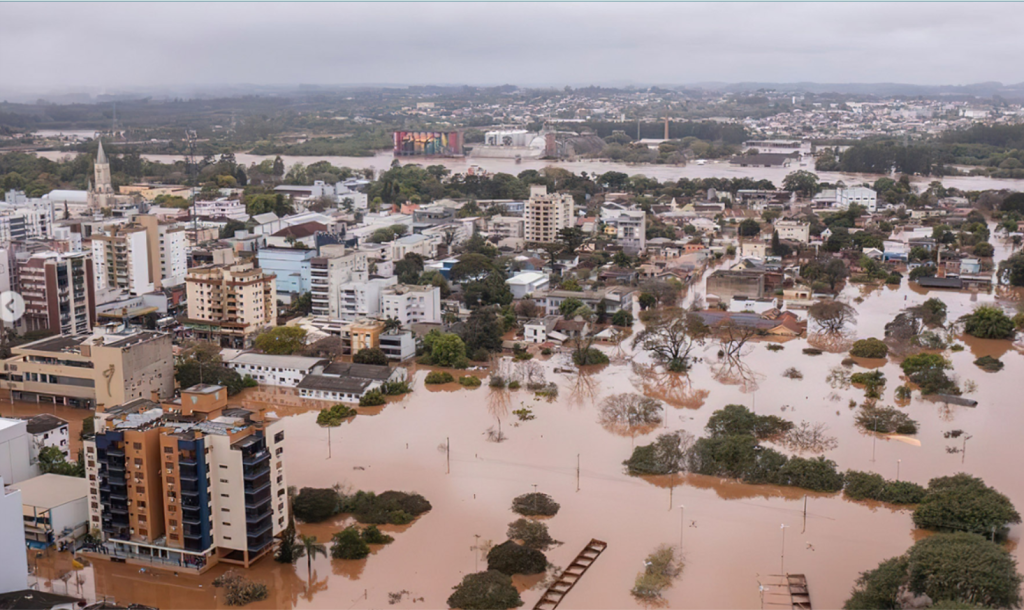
115 46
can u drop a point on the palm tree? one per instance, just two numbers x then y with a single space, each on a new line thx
310 548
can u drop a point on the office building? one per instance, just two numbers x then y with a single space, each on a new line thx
108 367
232 209
361 297
630 228
546 214
230 303
187 484
59 293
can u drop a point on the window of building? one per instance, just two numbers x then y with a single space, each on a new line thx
279 437
168 449
223 466
137 446
223 480
227 537
225 523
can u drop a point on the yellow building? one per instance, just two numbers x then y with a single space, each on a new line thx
108 367
230 303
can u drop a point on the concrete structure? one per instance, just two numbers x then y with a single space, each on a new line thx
14 575
121 259
48 431
59 293
187 484
614 299
413 244
168 258
538 329
410 304
230 303
16 458
507 227
726 284
526 283
630 228
547 214
55 509
794 230
328 273
397 345
108 367
361 297
860 195
291 268
223 207
347 382
753 249
267 369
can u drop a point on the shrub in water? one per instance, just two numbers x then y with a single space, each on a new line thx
348 544
989 363
490 590
372 535
438 377
469 381
535 504
373 398
313 505
885 420
533 534
511 558
869 348
660 569
964 503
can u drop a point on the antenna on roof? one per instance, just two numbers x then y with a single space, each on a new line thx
193 174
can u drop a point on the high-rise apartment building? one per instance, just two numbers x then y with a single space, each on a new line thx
546 214
328 273
59 292
121 259
230 303
186 484
167 256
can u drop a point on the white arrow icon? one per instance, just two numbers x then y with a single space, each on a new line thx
12 307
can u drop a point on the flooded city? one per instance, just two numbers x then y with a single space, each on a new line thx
734 536
479 320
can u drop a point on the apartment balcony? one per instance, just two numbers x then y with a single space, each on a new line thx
255 458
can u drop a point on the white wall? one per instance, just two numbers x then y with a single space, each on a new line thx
15 452
14 575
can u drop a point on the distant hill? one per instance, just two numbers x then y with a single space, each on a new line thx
986 90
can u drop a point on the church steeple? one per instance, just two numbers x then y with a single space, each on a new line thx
101 172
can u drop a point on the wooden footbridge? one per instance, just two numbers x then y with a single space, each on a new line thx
572 574
786 591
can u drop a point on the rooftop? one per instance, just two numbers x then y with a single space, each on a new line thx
284 362
43 423
29 599
52 490
362 371
330 383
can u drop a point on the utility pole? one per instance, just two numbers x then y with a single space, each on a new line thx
782 556
448 453
682 513
577 472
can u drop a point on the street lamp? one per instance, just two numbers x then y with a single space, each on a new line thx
898 470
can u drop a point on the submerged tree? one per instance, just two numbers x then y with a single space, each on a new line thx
832 316
671 338
630 414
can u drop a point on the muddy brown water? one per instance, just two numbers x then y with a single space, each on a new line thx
732 533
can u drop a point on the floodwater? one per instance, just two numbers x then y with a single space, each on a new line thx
733 535
712 169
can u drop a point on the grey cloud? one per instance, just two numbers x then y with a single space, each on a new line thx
122 46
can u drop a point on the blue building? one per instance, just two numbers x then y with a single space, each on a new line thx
292 268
